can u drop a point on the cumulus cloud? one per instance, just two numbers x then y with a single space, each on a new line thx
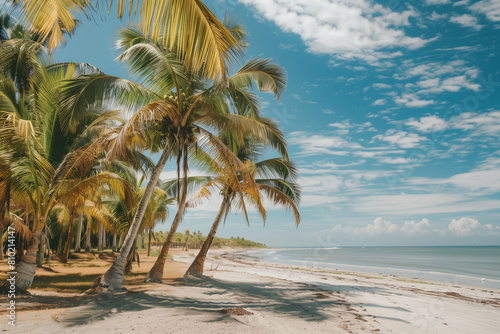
380 226
401 138
343 28
464 226
412 101
466 20
428 124
412 227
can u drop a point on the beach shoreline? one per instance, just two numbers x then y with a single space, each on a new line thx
280 298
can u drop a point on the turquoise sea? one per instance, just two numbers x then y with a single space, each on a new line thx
479 266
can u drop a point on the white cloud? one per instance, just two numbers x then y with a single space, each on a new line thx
436 69
347 29
437 2
485 179
480 124
413 101
490 8
379 85
464 226
452 84
433 78
321 144
342 125
379 102
466 20
381 226
412 227
401 138
428 124
395 161
424 204
435 16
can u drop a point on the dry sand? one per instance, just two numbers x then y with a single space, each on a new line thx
241 296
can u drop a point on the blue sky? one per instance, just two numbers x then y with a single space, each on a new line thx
391 112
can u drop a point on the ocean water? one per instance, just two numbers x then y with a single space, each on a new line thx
479 266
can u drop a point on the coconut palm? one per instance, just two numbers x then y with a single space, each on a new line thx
275 179
176 110
205 43
50 163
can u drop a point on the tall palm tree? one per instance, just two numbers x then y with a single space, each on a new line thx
50 163
176 104
275 179
205 43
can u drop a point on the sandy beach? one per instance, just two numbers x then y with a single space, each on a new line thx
239 295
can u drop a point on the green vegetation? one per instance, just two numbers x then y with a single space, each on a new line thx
195 240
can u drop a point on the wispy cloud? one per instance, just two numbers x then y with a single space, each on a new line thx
490 8
321 144
381 226
437 2
425 204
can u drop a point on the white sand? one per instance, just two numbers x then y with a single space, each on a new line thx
282 300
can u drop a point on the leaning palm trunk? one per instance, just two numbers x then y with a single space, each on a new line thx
79 234
113 278
156 273
196 268
27 267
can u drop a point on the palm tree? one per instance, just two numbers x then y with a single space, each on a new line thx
178 106
50 163
205 43
275 179
215 106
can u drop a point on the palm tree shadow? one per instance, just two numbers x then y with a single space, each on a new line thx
284 298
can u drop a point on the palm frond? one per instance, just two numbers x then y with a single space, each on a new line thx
276 168
20 60
189 26
156 66
75 194
52 19
81 95
262 73
133 135
279 198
